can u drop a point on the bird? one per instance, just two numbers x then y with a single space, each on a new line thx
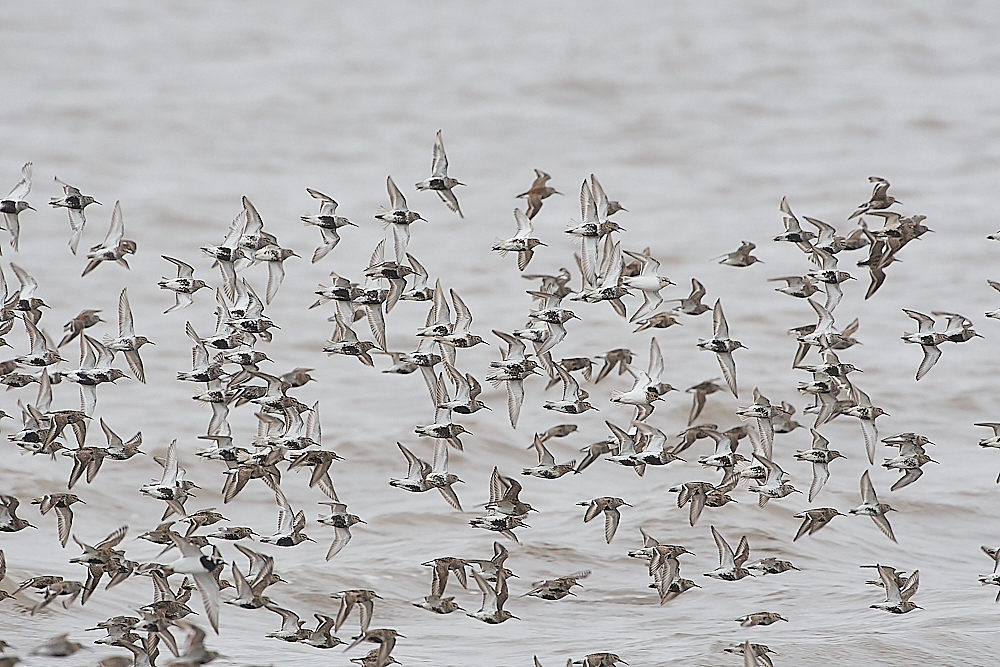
547 467
801 287
897 595
814 519
523 242
927 338
612 516
730 564
328 223
73 328
740 257
537 192
793 230
494 598
75 204
385 638
114 248
649 282
866 413
439 180
290 524
820 455
364 599
127 342
760 618
13 204
723 346
183 286
61 503
880 199
195 563
399 216
341 522
870 506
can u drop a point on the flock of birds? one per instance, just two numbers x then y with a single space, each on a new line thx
225 368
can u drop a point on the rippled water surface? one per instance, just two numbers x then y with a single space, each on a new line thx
698 118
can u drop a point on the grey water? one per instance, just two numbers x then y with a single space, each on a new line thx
699 118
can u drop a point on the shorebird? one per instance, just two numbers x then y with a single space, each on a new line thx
830 276
183 286
494 598
114 248
801 287
9 521
443 426
547 467
229 252
291 626
762 411
290 524
127 342
399 217
537 192
572 402
730 564
740 257
73 328
439 181
648 282
199 566
880 199
345 341
385 638
13 204
927 338
866 413
754 655
440 478
692 305
557 589
897 595
701 391
723 346
695 493
61 503
870 506
612 516
793 230
760 618
775 484
364 599
523 242
504 496
820 455
771 565
341 522
662 320
328 223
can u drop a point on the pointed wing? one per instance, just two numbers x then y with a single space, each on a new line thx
396 199
728 366
611 519
545 457
931 355
720 328
515 397
868 496
23 186
340 540
821 473
726 557
439 165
